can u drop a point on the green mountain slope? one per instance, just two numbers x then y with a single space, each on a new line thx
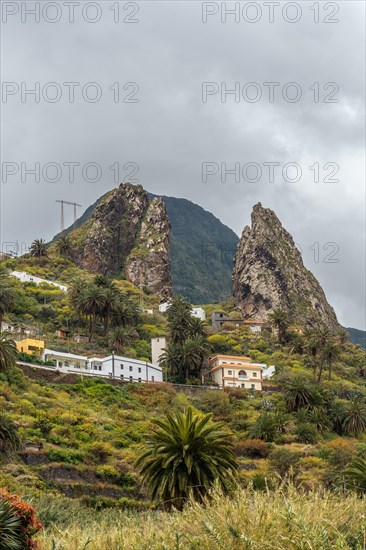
357 336
202 251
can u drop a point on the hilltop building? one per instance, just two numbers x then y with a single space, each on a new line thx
218 318
230 371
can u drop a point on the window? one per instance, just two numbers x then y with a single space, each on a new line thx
121 366
122 377
130 368
139 369
255 374
242 385
230 372
131 378
100 367
242 374
152 379
252 387
139 379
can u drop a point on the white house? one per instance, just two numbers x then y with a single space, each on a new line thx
195 312
27 278
125 368
66 360
269 372
115 366
199 312
163 307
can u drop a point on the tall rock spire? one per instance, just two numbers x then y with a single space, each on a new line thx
269 273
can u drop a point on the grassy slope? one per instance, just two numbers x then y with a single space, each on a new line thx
91 433
247 520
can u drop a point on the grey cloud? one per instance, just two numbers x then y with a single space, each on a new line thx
170 132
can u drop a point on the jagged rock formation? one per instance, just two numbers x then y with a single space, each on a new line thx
149 262
201 248
129 237
269 273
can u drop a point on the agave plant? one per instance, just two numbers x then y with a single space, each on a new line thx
355 474
11 536
9 437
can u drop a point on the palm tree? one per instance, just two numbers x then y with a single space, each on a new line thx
311 346
331 353
64 246
185 456
38 248
7 297
320 418
354 421
279 319
355 474
125 312
192 355
264 427
110 301
336 415
179 319
323 336
91 303
75 289
8 352
197 327
169 360
9 436
120 337
298 394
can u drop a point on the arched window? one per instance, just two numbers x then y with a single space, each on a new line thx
242 374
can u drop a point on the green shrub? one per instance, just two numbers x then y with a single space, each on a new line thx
68 456
306 433
283 461
252 448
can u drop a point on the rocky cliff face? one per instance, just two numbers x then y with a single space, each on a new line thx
128 236
149 261
269 273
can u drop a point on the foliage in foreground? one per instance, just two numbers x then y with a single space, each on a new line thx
244 520
186 455
18 523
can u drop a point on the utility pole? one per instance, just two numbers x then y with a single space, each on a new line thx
62 224
113 372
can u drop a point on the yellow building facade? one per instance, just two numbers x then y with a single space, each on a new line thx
30 346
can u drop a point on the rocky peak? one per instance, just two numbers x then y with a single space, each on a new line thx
269 273
125 224
149 262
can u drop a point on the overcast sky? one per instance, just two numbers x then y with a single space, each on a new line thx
162 125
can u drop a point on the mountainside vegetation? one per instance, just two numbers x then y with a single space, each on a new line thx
111 464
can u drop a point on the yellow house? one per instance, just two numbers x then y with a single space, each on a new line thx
232 371
30 346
